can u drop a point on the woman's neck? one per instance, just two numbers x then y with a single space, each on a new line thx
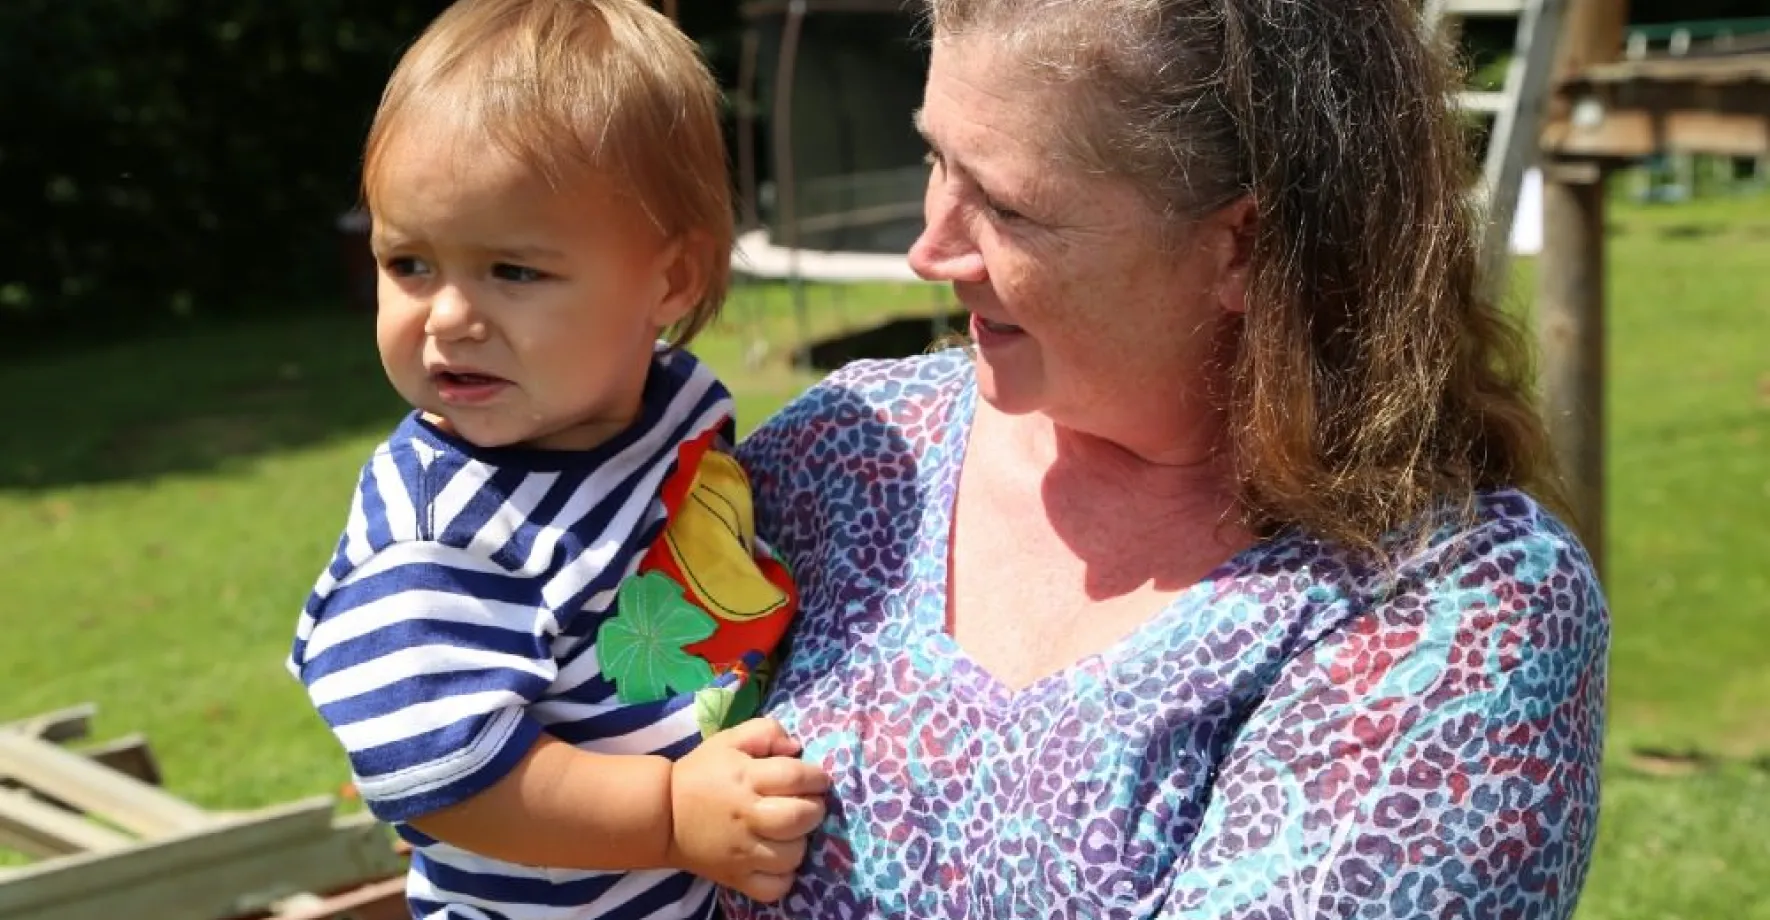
1133 522
1185 465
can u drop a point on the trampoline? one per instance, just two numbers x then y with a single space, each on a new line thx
825 93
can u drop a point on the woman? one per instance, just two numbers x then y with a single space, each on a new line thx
1205 584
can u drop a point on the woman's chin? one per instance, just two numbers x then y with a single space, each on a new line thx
1008 390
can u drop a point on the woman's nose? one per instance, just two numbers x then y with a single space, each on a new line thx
945 250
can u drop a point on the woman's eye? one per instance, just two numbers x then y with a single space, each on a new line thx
405 266
1006 215
520 274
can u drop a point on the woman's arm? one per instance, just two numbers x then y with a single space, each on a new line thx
1438 756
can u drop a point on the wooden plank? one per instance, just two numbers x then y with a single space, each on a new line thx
1636 132
1742 67
57 726
382 900
1719 106
129 755
122 800
1718 133
237 868
37 828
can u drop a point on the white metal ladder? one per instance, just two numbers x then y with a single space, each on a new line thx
1516 110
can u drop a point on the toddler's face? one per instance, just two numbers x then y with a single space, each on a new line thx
520 314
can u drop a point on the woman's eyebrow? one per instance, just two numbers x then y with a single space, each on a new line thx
920 122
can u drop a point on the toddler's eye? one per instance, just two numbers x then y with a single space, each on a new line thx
520 274
405 266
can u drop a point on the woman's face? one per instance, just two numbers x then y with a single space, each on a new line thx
1081 307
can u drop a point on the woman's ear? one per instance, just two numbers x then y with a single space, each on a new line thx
682 276
1237 225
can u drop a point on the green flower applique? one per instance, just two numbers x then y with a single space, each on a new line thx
640 648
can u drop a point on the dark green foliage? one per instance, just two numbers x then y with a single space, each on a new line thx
163 158
172 159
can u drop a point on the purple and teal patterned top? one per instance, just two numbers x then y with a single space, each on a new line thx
1295 736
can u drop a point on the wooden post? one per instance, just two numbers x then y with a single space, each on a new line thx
1570 324
1570 293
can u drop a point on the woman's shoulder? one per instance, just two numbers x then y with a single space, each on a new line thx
1508 551
1501 527
872 404
1503 550
1508 528
925 381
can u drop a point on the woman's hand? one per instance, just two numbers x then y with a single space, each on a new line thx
742 806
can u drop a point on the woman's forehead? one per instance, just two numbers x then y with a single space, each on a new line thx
1011 129
979 106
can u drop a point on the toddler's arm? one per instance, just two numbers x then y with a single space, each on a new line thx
736 810
424 658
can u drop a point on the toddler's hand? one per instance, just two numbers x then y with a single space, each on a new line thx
742 805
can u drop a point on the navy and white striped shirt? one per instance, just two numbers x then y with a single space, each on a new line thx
457 622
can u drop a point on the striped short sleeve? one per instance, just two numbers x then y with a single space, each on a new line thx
421 656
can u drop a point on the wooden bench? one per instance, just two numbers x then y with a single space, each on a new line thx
109 842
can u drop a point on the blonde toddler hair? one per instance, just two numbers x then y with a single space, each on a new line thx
571 88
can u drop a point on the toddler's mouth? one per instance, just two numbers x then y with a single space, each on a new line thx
467 388
466 378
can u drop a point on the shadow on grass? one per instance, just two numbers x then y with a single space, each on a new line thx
196 402
209 399
1693 231
1740 426
900 337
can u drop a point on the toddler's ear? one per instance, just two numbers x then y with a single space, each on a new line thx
682 274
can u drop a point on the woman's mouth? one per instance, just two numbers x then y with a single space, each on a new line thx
987 332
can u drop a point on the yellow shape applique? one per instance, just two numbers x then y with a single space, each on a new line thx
712 538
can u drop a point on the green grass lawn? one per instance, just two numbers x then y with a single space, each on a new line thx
171 502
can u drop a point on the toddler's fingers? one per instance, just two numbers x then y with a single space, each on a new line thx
776 856
759 737
785 818
766 887
786 776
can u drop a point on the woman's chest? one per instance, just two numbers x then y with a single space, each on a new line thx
955 797
1035 586
1024 610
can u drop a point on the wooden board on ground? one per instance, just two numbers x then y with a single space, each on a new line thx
382 900
62 725
36 828
62 775
237 866
112 844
